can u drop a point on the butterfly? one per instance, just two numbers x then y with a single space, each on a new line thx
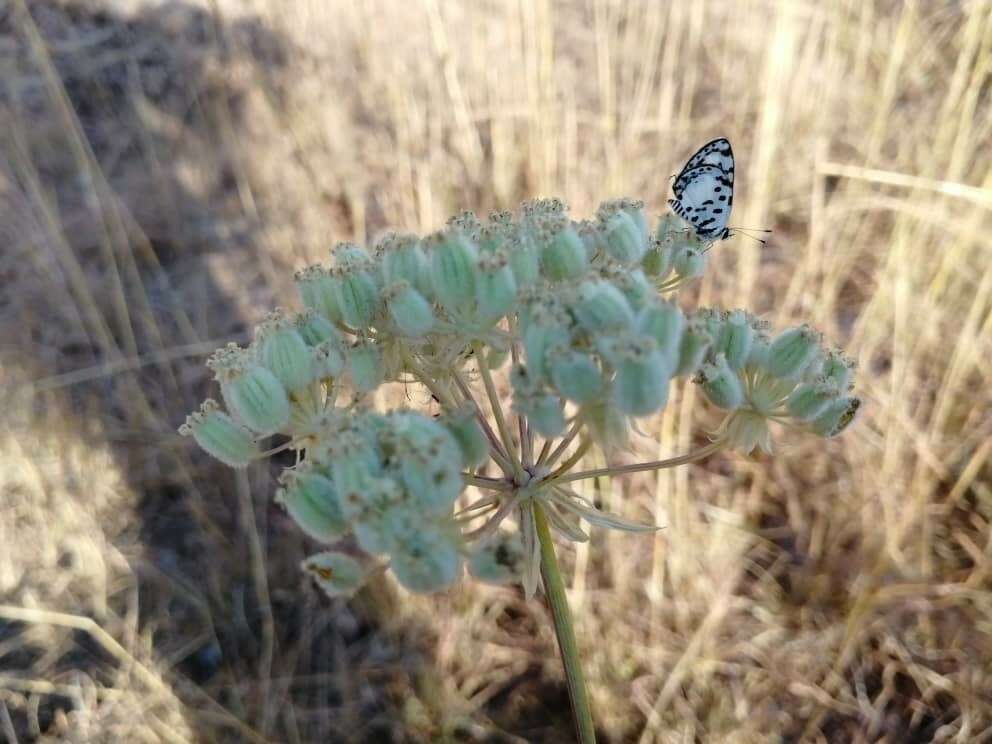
704 190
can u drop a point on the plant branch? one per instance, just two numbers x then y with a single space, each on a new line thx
674 462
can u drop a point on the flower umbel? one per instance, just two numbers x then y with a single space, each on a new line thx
581 309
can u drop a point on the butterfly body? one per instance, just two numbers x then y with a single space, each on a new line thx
704 190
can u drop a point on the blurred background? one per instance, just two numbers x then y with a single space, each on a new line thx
165 166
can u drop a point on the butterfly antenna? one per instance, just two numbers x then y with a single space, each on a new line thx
746 232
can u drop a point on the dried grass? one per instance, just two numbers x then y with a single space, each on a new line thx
165 166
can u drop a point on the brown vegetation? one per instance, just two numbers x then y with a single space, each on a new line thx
163 167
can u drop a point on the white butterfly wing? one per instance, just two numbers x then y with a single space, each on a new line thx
705 200
717 153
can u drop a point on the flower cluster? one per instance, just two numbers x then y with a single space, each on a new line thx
573 312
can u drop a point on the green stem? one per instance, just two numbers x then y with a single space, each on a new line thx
554 588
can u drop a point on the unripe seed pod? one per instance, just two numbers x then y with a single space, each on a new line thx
541 335
318 292
357 297
220 436
429 561
545 413
696 342
669 228
453 267
721 384
735 339
498 559
663 322
563 254
524 259
624 239
284 353
328 359
365 366
410 312
601 307
791 351
657 261
347 256
337 574
258 398
838 369
836 417
758 356
403 259
810 399
496 288
313 503
575 375
689 262
641 383
315 329
464 427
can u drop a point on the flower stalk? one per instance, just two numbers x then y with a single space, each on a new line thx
554 589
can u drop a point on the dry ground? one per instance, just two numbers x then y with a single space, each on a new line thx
164 166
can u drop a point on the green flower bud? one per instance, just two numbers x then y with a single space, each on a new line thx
453 265
663 322
464 427
544 411
496 288
607 426
357 297
791 351
258 398
428 561
810 399
641 383
689 262
624 238
315 328
313 503
219 436
365 366
735 339
563 254
403 260
657 261
410 312
575 375
721 384
339 575
696 342
746 430
600 307
318 292
284 353
498 559
836 417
